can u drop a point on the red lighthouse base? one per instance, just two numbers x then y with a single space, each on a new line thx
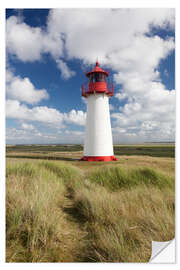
99 158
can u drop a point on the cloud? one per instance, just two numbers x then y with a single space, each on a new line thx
84 100
22 89
104 31
66 73
148 103
149 117
17 135
22 40
30 43
75 133
27 126
16 110
43 114
121 96
75 117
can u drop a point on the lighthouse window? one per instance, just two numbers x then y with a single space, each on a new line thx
97 77
103 77
91 78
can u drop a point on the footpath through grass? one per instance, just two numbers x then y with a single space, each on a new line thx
37 229
57 212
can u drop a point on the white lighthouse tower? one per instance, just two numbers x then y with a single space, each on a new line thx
98 144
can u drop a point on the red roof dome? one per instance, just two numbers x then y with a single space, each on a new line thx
97 69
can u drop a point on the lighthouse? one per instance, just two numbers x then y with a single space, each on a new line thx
98 145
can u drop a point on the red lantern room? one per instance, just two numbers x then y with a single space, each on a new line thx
98 82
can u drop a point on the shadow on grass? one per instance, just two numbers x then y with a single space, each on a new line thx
75 214
73 211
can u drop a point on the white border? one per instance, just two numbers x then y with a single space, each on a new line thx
2 135
90 4
77 4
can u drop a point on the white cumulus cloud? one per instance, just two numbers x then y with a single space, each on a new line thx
43 114
86 33
29 43
16 110
22 89
102 32
75 117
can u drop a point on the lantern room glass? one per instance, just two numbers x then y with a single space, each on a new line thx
97 77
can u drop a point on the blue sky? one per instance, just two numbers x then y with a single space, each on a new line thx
48 52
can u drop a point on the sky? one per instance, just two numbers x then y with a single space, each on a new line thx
48 53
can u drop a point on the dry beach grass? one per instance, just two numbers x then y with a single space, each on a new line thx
72 211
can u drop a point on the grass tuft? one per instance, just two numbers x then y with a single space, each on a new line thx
115 178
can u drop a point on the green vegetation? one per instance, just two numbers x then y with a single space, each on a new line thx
44 148
115 178
51 151
149 150
88 212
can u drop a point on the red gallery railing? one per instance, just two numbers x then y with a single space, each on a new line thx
87 91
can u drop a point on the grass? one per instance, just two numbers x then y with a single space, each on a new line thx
146 150
87 212
54 151
44 148
115 178
122 224
37 229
